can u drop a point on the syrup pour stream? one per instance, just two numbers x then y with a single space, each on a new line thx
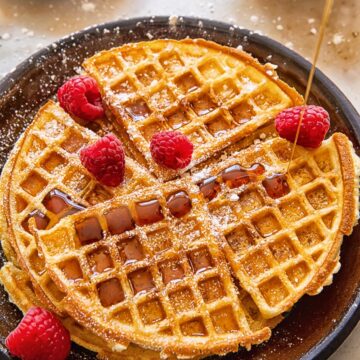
325 17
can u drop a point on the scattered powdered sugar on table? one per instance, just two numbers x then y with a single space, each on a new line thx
88 6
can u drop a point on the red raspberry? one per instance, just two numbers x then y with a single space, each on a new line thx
171 149
80 96
105 159
39 336
314 126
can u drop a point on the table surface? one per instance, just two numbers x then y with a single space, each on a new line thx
26 26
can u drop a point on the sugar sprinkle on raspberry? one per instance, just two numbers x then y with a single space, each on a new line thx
39 336
80 96
105 159
171 149
314 126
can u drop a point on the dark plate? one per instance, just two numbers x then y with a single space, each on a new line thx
317 325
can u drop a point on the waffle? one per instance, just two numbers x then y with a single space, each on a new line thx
283 244
50 144
186 275
163 284
213 94
19 287
24 294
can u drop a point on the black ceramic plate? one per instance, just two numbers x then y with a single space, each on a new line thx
317 325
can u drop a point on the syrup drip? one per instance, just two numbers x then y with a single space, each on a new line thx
179 204
110 292
325 17
237 175
61 204
119 220
89 230
141 281
100 261
276 186
41 220
148 212
209 188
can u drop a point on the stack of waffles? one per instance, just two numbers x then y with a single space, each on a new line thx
175 264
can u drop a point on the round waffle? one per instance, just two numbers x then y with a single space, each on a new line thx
284 244
164 284
50 145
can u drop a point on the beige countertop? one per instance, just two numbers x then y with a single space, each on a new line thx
26 26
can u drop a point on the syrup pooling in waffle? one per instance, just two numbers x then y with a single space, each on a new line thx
212 94
282 232
54 186
162 284
18 285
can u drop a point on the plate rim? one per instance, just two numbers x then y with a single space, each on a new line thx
332 341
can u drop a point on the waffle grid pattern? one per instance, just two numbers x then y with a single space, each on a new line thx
51 147
168 285
276 246
181 86
183 291
20 289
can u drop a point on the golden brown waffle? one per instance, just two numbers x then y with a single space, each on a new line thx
164 284
213 94
73 137
283 245
19 287
221 98
51 144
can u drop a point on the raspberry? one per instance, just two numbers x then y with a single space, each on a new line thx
39 336
80 96
171 149
105 159
315 124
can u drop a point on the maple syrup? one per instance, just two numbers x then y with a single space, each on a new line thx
171 272
131 250
100 261
237 175
110 292
41 220
179 204
324 20
276 186
61 204
89 230
148 212
255 170
72 270
209 187
141 281
119 220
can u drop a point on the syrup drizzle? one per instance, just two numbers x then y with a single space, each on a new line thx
276 185
325 17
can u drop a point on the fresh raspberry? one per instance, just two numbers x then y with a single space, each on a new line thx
80 96
171 149
315 124
105 159
39 336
